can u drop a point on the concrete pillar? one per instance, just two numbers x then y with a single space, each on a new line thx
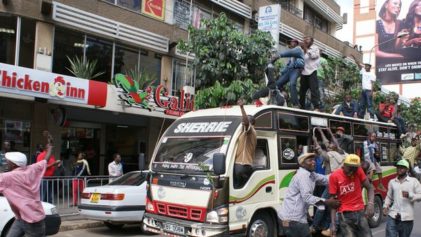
43 58
102 150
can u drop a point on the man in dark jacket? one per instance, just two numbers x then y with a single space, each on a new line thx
348 108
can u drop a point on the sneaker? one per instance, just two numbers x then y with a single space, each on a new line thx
327 232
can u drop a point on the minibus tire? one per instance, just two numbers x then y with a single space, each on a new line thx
113 226
261 226
378 213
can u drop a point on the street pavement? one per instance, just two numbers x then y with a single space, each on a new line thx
134 230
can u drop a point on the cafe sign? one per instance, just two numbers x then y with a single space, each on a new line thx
46 85
153 99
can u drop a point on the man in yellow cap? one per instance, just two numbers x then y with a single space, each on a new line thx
346 185
299 197
403 191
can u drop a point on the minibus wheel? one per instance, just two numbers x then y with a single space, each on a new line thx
261 226
375 221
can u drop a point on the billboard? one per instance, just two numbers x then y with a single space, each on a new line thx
269 20
398 41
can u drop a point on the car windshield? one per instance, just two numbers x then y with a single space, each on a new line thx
131 179
191 150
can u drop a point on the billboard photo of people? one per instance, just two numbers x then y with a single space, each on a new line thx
398 41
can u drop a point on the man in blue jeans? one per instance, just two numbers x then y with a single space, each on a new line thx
403 191
292 70
367 79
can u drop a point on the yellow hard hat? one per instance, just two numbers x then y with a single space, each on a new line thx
352 160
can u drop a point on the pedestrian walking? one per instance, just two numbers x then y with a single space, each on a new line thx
80 169
403 191
292 70
346 185
411 152
299 197
21 188
115 168
309 74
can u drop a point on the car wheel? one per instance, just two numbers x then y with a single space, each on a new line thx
113 226
261 226
375 221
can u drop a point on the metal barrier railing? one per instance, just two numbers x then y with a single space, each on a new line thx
65 191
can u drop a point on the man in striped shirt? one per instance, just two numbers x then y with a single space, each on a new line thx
299 197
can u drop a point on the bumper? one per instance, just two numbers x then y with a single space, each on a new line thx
155 223
126 214
52 224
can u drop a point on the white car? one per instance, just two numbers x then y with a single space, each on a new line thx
52 219
117 203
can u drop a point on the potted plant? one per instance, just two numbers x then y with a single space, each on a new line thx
82 69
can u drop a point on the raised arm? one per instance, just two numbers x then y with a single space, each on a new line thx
245 118
324 138
359 64
49 147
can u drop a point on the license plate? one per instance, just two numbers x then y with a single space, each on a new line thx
95 197
174 228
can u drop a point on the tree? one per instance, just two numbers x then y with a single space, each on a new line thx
412 113
229 64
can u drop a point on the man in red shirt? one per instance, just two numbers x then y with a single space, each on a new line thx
346 184
47 184
386 111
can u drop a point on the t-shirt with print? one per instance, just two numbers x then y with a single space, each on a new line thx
367 79
348 189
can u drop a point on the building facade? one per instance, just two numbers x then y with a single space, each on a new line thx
39 41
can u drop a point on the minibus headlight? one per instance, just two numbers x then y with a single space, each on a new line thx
219 215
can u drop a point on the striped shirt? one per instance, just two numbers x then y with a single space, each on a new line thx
299 195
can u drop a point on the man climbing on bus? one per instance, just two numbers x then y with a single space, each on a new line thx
371 154
246 146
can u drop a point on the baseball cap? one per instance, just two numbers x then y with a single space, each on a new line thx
341 129
403 163
352 160
17 158
304 157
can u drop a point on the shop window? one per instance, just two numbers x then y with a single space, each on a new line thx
27 43
293 122
182 76
100 50
18 134
7 39
150 64
67 43
125 59
264 120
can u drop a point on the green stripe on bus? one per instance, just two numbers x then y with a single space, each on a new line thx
286 180
252 192
385 173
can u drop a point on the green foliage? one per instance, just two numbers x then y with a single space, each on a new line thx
82 69
412 113
225 59
218 95
142 77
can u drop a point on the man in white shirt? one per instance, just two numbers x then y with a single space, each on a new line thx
368 79
115 168
309 74
403 191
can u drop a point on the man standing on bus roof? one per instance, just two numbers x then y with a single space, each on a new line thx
367 79
299 197
346 185
371 154
246 146
403 191
344 140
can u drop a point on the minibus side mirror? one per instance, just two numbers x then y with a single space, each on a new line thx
219 163
142 161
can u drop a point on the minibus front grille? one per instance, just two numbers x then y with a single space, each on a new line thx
181 211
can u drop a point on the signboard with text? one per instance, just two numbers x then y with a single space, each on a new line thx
154 8
153 99
269 19
398 45
41 84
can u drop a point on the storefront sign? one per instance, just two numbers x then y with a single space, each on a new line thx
153 99
154 8
269 19
30 82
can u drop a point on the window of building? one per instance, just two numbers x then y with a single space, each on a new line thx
182 76
150 63
100 50
7 39
126 59
315 19
27 43
67 44
183 18
133 5
293 122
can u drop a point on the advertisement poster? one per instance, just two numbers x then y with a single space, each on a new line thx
269 20
398 41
